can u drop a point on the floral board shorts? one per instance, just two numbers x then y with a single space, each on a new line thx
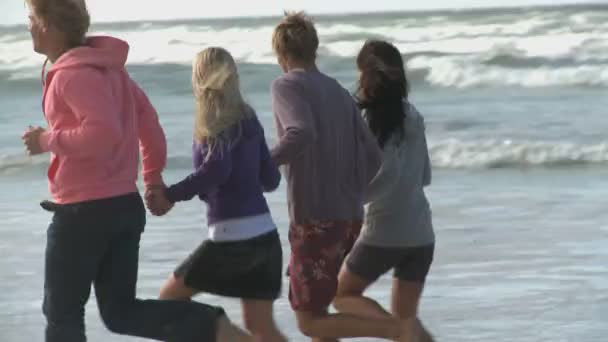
318 249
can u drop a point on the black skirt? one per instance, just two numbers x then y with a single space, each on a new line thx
247 269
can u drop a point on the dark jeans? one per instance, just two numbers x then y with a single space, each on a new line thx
97 243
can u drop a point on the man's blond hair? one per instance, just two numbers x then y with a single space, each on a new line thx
295 37
68 16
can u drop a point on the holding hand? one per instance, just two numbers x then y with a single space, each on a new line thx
156 201
31 140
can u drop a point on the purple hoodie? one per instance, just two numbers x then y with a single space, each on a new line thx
234 177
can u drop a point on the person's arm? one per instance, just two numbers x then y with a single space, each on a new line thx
294 115
270 177
89 96
371 149
388 175
427 170
212 173
152 141
427 174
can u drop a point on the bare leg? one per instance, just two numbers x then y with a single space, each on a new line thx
404 304
228 332
425 335
325 340
175 289
350 299
329 327
259 320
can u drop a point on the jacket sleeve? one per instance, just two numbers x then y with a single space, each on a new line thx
213 172
294 114
152 140
88 94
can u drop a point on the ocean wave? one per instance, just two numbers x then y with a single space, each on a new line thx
19 162
442 71
455 153
13 163
462 73
459 50
157 44
445 154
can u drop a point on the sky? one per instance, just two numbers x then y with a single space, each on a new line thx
14 12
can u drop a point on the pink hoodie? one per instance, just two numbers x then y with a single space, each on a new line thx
97 117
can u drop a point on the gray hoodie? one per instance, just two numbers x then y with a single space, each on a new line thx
397 211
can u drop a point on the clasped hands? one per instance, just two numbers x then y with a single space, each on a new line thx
155 198
156 201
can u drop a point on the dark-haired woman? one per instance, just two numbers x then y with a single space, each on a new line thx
398 231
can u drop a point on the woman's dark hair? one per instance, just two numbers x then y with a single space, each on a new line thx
382 88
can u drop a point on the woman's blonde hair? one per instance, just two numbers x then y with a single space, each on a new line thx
219 103
69 16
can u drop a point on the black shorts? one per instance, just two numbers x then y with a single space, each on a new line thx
248 269
410 263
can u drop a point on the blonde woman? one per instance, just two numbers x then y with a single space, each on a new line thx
242 257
